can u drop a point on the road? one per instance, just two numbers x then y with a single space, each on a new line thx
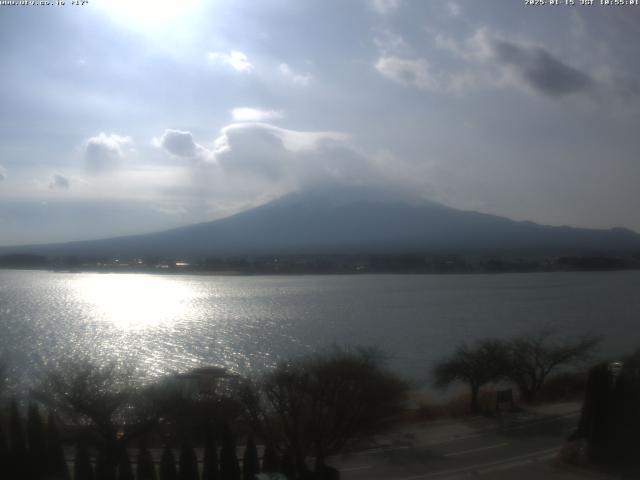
507 449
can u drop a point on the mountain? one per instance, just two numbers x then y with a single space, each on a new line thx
338 220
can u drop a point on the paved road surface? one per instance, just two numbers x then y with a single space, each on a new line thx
511 448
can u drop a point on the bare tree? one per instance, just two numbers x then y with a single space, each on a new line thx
102 397
534 356
320 404
194 403
478 364
86 393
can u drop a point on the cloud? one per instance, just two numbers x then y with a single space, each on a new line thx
181 144
267 158
235 59
408 72
105 152
245 114
389 41
3 173
454 9
178 143
498 62
59 182
539 69
298 78
291 140
384 7
253 162
276 159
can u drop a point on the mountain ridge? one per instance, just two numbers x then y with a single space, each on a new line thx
336 221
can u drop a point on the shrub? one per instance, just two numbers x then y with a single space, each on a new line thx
250 463
125 472
188 463
210 468
56 464
318 405
168 465
476 365
229 466
145 469
82 469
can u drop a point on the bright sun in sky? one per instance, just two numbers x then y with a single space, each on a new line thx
148 14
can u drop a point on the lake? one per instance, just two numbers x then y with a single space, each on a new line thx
165 323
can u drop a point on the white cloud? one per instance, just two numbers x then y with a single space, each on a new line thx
385 6
274 159
291 140
235 59
181 144
297 78
270 161
263 160
59 182
455 10
3 173
252 163
389 41
246 114
408 72
105 152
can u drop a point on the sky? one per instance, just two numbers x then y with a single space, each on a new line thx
122 117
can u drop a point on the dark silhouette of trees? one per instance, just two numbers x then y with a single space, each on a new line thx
145 470
4 453
270 460
288 467
105 465
56 464
104 398
229 466
89 394
320 404
210 466
125 472
18 465
476 365
526 360
188 463
250 462
168 465
82 469
36 440
195 402
533 357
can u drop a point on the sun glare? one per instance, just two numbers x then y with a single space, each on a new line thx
135 301
148 14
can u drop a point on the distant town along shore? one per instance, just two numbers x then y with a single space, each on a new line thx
327 264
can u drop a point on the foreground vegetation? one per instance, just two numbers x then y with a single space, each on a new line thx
525 361
209 424
301 412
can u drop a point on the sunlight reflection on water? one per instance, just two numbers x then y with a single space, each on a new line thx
134 302
164 323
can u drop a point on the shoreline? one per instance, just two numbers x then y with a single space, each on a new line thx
271 273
